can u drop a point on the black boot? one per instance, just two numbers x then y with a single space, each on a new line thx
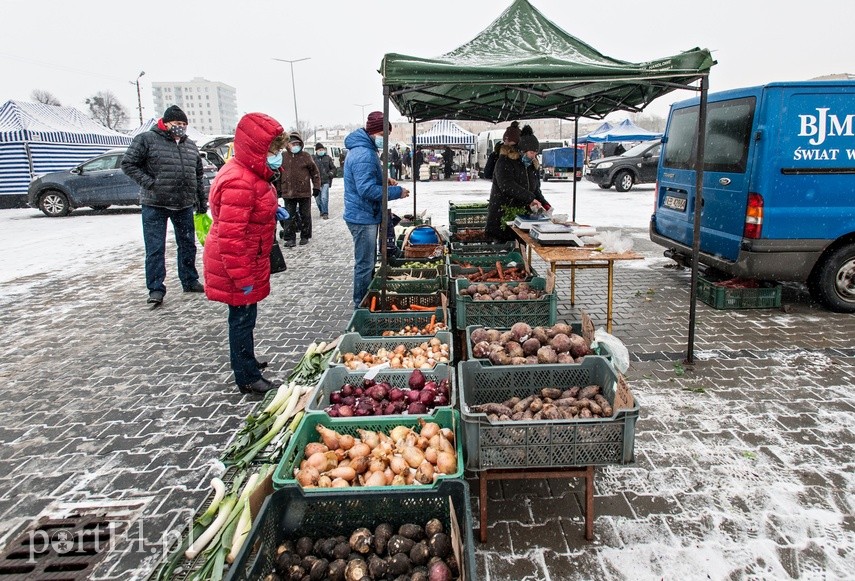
260 386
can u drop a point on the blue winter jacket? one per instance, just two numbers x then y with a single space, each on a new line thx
363 180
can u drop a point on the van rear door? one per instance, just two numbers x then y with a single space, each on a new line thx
728 149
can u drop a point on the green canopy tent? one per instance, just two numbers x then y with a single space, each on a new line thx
522 66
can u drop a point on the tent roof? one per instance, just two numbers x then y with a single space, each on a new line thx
523 66
626 130
446 132
23 121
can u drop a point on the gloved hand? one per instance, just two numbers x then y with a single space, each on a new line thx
282 214
247 289
201 208
316 192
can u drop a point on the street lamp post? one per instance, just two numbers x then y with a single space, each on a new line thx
363 110
139 96
294 87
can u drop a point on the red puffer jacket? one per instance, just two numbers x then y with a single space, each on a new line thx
243 203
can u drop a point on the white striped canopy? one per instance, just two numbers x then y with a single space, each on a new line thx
446 132
36 139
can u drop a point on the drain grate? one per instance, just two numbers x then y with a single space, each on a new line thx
59 549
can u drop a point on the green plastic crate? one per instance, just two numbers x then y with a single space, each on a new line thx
353 343
487 259
473 215
536 312
283 476
601 350
369 324
543 443
402 301
767 296
416 273
291 514
335 377
481 248
424 286
422 262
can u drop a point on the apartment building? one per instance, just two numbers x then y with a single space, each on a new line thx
211 106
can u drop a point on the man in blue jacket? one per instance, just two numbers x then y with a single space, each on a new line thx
363 198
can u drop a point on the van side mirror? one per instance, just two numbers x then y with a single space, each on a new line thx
77 170
647 155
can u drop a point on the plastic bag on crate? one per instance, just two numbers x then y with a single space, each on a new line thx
620 354
614 241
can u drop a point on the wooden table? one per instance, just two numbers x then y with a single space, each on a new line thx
573 257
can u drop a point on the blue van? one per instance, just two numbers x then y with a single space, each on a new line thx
778 186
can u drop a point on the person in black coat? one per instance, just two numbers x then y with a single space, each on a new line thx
516 184
168 168
448 161
510 137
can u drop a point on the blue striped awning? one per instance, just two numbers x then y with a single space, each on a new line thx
445 132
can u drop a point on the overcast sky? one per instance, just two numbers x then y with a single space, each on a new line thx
74 48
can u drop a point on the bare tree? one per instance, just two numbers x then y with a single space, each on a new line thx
105 108
44 97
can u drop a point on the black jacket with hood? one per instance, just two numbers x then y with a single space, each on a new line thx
169 172
514 185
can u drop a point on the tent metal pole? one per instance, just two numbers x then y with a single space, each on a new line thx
575 145
384 220
696 228
412 165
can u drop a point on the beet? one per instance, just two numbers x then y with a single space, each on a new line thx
417 379
396 394
417 408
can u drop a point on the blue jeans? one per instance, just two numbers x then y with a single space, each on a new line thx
154 234
323 200
365 256
242 343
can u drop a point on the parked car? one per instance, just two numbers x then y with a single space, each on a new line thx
98 183
637 165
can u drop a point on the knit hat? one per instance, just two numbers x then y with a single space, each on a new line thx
174 113
528 142
319 146
512 133
374 124
295 136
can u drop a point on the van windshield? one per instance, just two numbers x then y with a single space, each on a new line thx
727 140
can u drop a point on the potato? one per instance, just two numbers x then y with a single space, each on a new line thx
550 392
578 347
479 335
546 355
536 405
539 333
531 346
521 331
559 328
506 338
481 350
514 349
561 343
589 391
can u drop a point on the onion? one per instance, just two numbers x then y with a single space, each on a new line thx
448 434
376 479
345 411
339 483
426 396
324 481
346 441
335 397
412 396
445 445
417 380
320 462
422 442
307 476
413 456
330 437
389 475
398 433
424 474
398 464
416 408
396 394
314 447
430 385
431 454
429 429
346 390
369 437
343 472
361 464
377 465
446 463
358 391
440 400
399 480
359 450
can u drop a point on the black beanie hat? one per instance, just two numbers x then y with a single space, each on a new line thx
319 146
174 113
528 142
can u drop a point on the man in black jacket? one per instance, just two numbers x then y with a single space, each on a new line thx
168 168
327 169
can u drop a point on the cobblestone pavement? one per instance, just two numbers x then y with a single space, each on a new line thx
744 461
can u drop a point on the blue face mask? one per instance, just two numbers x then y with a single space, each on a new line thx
378 141
295 149
274 162
526 160
321 153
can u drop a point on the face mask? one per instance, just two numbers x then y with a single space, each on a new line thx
526 160
295 149
321 153
378 141
177 131
274 162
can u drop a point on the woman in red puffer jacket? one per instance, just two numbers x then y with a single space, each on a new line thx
237 250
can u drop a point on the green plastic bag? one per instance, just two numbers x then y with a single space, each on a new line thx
203 226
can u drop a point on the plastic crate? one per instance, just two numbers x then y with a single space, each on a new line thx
487 259
601 350
478 248
291 514
472 216
402 301
353 343
422 262
369 324
543 443
536 312
334 377
767 296
417 273
306 432
423 286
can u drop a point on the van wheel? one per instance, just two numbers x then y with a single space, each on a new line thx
623 181
604 186
53 204
833 283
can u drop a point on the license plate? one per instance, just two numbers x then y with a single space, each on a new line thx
675 203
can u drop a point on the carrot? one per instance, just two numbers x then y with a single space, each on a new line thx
374 303
432 324
395 307
421 308
499 269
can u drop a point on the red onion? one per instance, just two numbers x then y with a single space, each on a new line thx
368 382
346 390
349 400
430 385
440 399
426 396
417 408
412 396
335 397
417 379
390 409
396 394
358 391
345 411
